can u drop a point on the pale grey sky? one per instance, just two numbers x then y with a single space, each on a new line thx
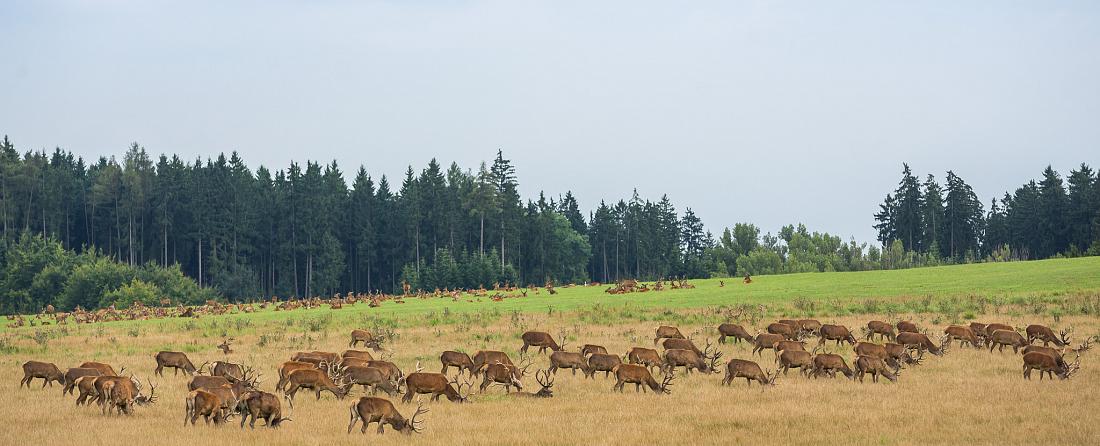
769 112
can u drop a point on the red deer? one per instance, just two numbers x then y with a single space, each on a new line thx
875 366
682 344
233 372
1045 334
457 360
355 362
765 341
990 328
645 356
319 359
589 349
86 386
357 354
641 378
176 361
836 333
921 342
315 380
288 367
830 364
810 325
485 357
1050 365
734 331
202 403
225 346
705 363
121 393
542 340
979 330
878 351
900 354
264 406
962 334
740 368
1001 338
907 327
373 379
883 329
389 369
567 360
546 381
378 410
788 331
789 345
366 338
76 372
45 370
507 375
104 369
436 384
666 331
797 359
602 362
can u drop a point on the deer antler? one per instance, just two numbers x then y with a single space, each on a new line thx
1064 335
1084 346
417 424
418 367
667 382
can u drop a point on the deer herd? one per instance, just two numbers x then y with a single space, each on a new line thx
221 390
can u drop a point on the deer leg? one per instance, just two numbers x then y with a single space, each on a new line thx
318 394
44 382
293 390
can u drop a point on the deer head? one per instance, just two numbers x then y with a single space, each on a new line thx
545 380
415 425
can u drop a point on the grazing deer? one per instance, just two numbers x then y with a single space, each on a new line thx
797 359
104 369
45 370
358 354
567 360
206 404
1045 334
457 360
641 378
378 410
907 327
366 338
878 351
734 331
264 406
666 331
436 384
546 381
373 379
1011 338
645 356
389 369
875 366
602 362
766 341
962 334
290 366
506 375
1050 365
315 380
707 362
883 329
900 354
542 340
810 326
589 349
789 345
355 362
232 372
740 368
835 333
176 361
224 346
485 357
122 394
920 342
830 364
317 358
73 374
682 344
979 330
790 332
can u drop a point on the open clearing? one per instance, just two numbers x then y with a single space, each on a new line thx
967 397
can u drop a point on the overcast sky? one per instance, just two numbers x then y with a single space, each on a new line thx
766 112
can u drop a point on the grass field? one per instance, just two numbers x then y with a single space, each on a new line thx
968 396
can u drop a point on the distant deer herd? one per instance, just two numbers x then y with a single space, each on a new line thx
221 390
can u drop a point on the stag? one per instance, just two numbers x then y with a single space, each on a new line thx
45 370
962 334
317 381
505 374
546 381
457 360
264 406
589 349
370 410
734 331
797 359
358 354
645 356
900 354
880 352
225 346
875 366
176 361
436 384
790 332
809 326
368 339
979 330
682 344
121 394
206 404
290 366
568 360
104 369
765 341
907 327
389 369
1050 364
705 363
485 357
789 345
835 333
830 364
641 378
883 329
1045 334
740 368
666 331
373 379
73 374
920 342
1011 338
602 362
542 340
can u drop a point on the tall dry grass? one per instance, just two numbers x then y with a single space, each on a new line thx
967 397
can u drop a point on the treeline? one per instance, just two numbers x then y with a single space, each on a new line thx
1039 220
304 231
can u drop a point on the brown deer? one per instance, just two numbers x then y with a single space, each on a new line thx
373 379
73 374
827 363
315 380
875 366
378 410
706 363
900 354
176 361
225 346
542 340
734 331
316 358
546 381
567 360
682 344
907 327
206 404
104 369
789 345
589 349
122 395
602 362
835 333
641 378
645 356
788 331
796 359
883 329
879 351
365 337
507 375
485 357
920 342
962 334
1050 365
232 372
436 384
358 354
810 326
990 328
264 406
1045 334
740 368
666 331
979 330
389 369
457 360
766 341
291 366
45 370
1011 338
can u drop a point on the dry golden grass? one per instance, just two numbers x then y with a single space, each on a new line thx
967 397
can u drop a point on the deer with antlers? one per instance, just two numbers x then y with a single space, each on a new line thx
225 346
506 375
378 410
1051 365
373 379
883 329
740 368
707 362
1045 334
436 384
264 406
641 378
546 380
962 334
290 366
645 356
542 340
790 332
1001 338
121 395
920 342
317 381
875 366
